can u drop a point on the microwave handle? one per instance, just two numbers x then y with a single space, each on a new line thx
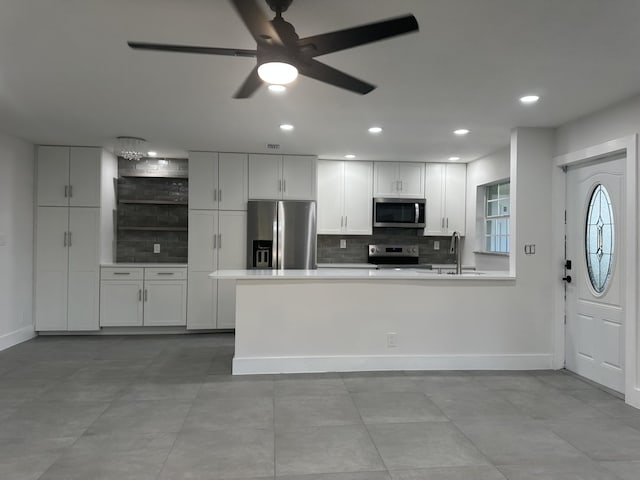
417 212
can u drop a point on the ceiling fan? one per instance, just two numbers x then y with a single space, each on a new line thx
281 54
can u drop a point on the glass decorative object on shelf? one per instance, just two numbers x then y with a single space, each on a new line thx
599 238
131 148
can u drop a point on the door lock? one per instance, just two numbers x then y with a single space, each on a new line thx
567 278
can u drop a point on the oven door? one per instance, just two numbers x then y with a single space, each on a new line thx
398 212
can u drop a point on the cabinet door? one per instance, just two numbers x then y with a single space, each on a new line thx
121 303
165 302
203 241
411 178
84 176
231 255
331 191
265 177
202 297
455 198
434 194
385 179
358 197
84 268
52 267
232 181
203 180
298 177
53 176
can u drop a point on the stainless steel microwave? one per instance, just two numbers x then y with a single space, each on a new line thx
399 212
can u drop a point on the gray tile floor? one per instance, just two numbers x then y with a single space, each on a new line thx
166 407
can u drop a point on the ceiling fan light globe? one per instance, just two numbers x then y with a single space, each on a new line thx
277 73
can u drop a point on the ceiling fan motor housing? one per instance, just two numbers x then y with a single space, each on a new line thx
279 6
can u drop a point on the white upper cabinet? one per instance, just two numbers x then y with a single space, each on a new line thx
398 179
446 198
278 177
217 181
345 196
68 176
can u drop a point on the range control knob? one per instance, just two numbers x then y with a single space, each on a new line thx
372 250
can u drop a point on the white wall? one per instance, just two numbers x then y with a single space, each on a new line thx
611 123
491 168
16 240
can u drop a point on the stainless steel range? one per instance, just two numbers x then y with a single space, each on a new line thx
396 256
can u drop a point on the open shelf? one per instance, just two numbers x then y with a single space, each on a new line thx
154 229
152 202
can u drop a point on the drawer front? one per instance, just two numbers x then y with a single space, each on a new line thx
121 273
175 273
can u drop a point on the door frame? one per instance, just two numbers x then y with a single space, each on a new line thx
629 147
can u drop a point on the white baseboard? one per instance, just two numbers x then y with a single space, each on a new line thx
348 363
18 336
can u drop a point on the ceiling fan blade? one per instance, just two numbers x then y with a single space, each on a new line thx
250 85
320 71
352 37
258 24
233 52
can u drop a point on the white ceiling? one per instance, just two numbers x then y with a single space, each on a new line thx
68 77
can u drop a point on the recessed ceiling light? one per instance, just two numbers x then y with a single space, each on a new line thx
454 159
286 126
350 156
152 153
529 99
277 88
375 129
461 131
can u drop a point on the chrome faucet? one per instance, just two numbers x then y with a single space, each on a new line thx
455 249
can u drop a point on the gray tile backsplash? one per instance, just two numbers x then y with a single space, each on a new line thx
329 250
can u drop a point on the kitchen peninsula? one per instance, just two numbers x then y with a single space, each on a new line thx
358 319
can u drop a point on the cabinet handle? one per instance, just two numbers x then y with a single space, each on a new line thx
400 185
164 273
69 238
215 194
220 195
447 222
279 185
65 238
146 297
122 273
140 295
70 191
66 191
346 221
443 223
219 240
215 241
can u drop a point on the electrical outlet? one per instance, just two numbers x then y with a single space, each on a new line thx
343 243
436 245
156 248
391 340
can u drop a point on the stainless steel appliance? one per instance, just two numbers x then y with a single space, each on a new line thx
396 256
399 212
281 234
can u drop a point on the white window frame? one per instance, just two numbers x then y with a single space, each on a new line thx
500 216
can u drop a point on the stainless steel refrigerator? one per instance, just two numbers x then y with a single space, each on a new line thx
281 234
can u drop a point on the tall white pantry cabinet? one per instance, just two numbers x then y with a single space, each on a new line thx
218 193
73 209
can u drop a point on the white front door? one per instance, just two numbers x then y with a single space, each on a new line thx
595 295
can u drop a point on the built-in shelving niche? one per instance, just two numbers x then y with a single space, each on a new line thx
152 208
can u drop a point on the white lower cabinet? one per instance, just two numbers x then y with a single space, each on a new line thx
217 240
149 296
67 268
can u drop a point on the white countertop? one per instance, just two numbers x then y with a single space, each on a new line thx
347 265
145 265
355 274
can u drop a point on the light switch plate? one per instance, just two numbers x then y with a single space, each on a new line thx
156 248
3 240
343 243
436 245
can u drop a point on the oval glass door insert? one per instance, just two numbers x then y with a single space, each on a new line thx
599 238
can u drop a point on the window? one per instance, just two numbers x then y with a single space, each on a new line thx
496 218
599 238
